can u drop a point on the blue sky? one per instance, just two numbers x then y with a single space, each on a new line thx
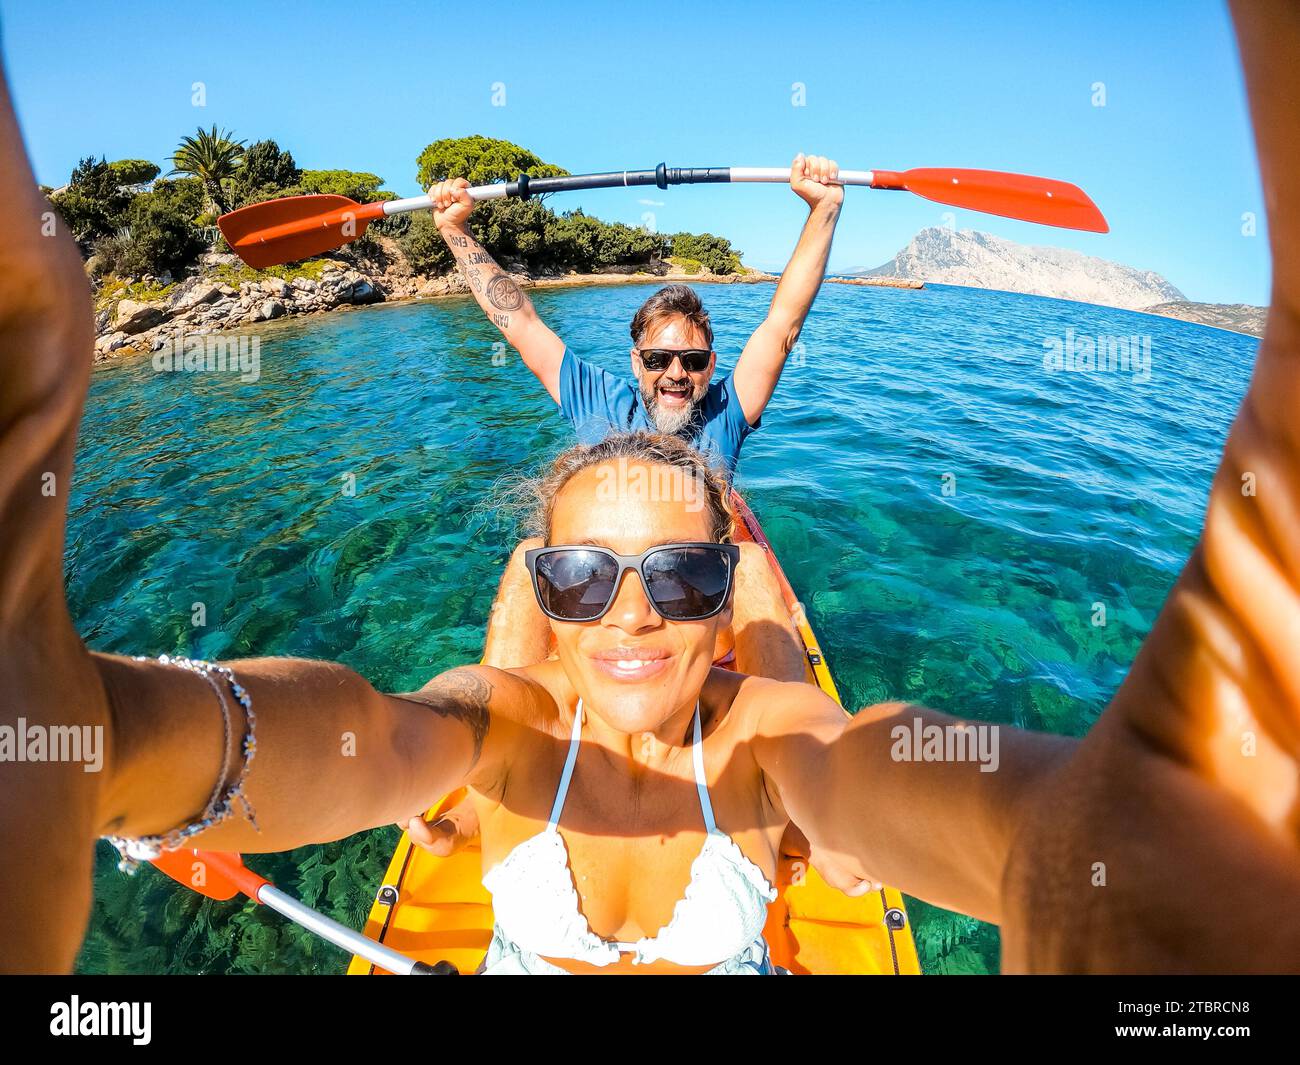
596 86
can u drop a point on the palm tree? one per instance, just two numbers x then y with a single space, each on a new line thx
210 157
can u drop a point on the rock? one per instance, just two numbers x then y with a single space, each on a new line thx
270 309
878 282
135 317
363 292
213 259
304 284
276 286
110 342
196 295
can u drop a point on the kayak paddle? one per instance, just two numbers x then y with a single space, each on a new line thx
221 876
297 227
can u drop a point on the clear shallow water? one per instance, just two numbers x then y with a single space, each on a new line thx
1071 489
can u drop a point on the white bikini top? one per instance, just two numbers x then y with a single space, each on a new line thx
722 913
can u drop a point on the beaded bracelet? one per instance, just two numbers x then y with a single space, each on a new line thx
221 804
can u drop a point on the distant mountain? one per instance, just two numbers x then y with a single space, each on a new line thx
981 260
1239 317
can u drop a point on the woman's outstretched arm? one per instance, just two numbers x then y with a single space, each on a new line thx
333 756
902 794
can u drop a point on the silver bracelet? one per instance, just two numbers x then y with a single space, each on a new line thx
221 804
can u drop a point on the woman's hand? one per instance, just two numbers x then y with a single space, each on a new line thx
452 204
815 180
454 829
843 872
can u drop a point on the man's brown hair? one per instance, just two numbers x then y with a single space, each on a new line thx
669 302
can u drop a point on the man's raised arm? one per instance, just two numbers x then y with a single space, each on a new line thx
815 180
500 296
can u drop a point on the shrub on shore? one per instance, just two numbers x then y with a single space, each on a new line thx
713 253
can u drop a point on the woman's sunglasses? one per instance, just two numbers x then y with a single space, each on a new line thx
684 582
694 360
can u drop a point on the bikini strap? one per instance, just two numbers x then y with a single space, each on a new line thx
567 775
701 784
697 759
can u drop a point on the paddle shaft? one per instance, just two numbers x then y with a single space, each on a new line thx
660 177
339 934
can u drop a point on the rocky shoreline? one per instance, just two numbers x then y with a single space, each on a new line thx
1242 318
206 304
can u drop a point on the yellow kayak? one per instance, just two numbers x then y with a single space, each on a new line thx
437 910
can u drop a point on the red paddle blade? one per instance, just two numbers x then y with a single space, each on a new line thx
216 874
1030 199
296 227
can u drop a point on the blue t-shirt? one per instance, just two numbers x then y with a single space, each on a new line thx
596 403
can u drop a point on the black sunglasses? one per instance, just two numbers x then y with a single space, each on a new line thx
684 582
694 360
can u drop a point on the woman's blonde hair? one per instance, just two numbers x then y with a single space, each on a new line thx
652 449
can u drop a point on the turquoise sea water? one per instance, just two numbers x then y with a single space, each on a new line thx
1071 490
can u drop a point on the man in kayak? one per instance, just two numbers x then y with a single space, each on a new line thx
672 357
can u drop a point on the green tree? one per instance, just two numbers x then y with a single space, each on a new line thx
212 157
266 173
481 160
714 253
579 242
424 247
160 232
133 171
93 203
354 184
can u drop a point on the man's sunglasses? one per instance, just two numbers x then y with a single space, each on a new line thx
684 582
694 360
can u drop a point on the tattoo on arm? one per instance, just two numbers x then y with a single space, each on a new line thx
461 694
496 291
504 294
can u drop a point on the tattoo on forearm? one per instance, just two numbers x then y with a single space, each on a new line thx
461 694
492 286
504 293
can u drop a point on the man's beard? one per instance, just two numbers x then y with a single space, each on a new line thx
673 420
